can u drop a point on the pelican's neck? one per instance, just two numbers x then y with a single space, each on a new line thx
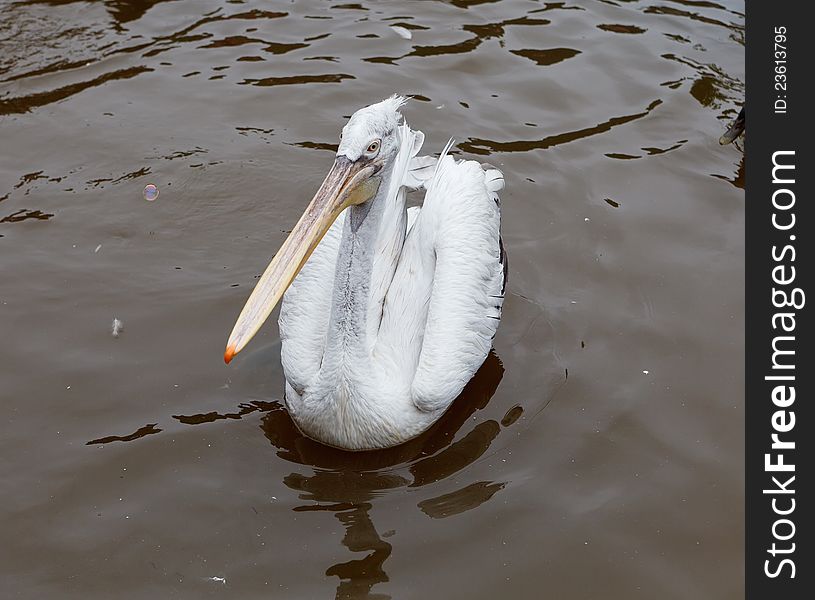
372 240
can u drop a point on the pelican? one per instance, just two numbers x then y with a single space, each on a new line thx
387 311
734 131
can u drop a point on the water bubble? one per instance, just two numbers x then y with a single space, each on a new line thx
150 192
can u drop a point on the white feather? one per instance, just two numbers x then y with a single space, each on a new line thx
390 318
402 32
116 327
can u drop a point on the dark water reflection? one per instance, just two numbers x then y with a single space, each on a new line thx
600 456
353 480
346 484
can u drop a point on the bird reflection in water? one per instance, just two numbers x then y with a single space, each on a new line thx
346 483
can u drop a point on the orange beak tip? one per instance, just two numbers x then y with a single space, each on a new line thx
229 354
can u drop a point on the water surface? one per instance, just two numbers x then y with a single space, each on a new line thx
598 452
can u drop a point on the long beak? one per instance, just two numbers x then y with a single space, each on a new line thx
347 183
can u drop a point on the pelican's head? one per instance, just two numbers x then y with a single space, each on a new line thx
369 145
371 134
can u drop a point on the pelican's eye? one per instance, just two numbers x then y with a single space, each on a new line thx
373 148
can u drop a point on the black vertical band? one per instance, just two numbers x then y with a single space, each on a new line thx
780 557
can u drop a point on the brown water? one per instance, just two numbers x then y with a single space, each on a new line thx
598 452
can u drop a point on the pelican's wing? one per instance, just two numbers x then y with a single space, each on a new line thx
420 171
306 309
460 223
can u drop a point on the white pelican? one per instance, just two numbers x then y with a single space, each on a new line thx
388 311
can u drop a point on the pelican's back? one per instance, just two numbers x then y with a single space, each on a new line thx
448 290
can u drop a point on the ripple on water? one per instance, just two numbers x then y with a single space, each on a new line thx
167 472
